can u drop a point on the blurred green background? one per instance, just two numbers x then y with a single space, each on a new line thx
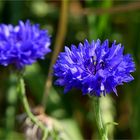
70 22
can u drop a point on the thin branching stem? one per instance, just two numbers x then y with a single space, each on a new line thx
133 6
62 27
27 108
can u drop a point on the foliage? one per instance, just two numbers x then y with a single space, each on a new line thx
72 111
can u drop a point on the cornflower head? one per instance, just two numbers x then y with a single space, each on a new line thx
94 67
23 44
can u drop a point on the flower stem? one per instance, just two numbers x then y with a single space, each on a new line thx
60 37
27 108
99 121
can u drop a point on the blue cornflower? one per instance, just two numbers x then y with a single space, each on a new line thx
23 44
94 68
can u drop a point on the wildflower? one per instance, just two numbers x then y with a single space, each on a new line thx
23 44
94 68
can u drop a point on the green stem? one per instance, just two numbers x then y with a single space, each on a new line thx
99 121
27 109
58 45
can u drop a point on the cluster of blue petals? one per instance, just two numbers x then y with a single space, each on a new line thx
94 68
23 44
